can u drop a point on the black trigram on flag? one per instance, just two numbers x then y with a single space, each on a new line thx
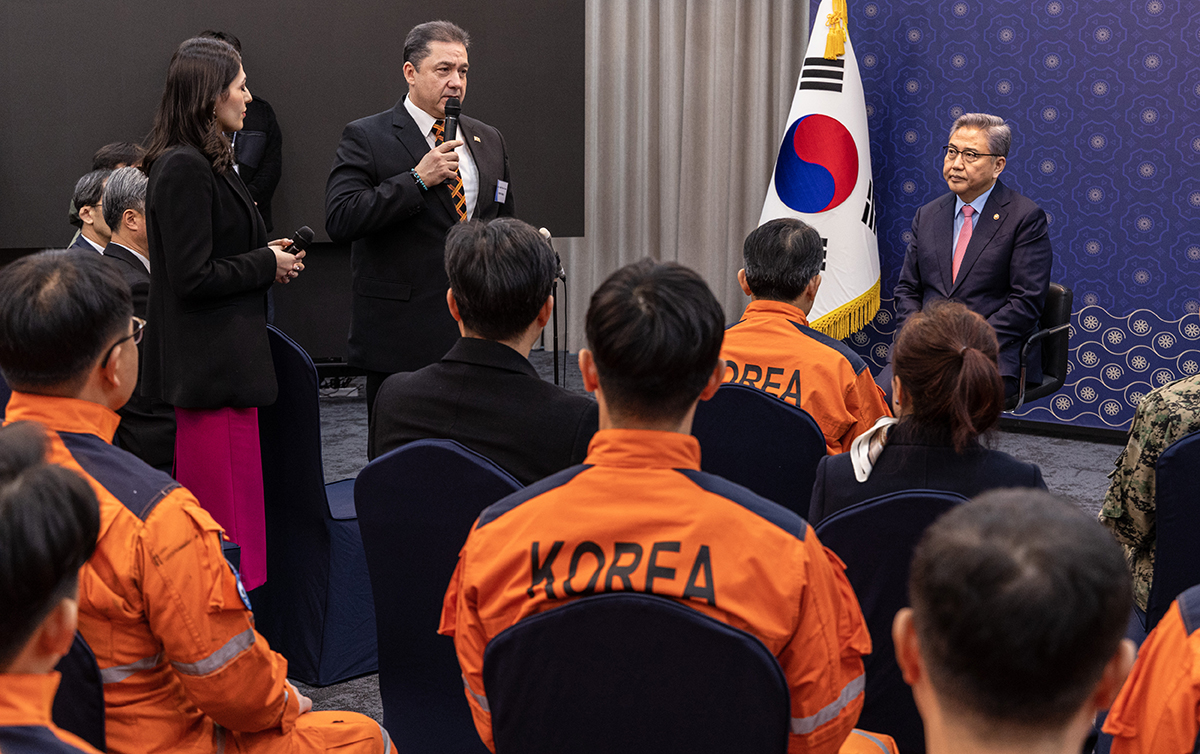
824 252
868 217
819 73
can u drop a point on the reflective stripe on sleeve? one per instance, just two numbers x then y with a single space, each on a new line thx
480 700
803 725
218 659
118 673
387 741
882 747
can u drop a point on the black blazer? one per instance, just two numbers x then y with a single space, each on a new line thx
912 463
1005 273
488 397
398 316
210 268
147 426
259 153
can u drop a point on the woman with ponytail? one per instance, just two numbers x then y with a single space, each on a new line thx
946 392
206 349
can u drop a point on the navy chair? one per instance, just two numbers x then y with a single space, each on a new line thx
876 539
633 673
5 394
416 505
316 606
79 703
761 442
1177 526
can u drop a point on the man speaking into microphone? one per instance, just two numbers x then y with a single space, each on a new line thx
401 179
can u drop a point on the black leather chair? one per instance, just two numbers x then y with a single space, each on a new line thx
416 504
761 442
1053 338
1177 526
632 673
316 606
876 539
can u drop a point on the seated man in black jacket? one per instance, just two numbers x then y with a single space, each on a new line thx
147 424
484 393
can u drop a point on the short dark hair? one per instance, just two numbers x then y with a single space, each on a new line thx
59 311
112 156
89 190
49 521
224 36
655 332
501 272
781 257
1019 601
416 44
198 76
945 356
126 189
999 133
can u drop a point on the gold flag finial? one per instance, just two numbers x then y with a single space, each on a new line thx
835 40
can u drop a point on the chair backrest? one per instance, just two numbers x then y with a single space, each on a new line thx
633 673
1055 348
5 394
875 539
1177 526
298 541
761 442
416 504
79 703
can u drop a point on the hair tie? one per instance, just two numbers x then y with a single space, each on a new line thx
963 350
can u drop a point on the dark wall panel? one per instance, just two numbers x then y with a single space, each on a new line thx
78 76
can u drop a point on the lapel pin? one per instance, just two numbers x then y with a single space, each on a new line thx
996 216
476 138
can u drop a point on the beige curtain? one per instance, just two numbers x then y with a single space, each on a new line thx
685 107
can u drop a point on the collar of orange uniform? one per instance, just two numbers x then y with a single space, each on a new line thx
63 414
777 308
642 449
26 699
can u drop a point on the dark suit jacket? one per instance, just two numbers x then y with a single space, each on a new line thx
398 316
81 243
1005 273
147 426
913 462
259 153
488 397
210 268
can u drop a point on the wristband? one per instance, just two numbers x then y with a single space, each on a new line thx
417 177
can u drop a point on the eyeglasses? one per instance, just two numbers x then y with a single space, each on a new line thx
139 325
951 154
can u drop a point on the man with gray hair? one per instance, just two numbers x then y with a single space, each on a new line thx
147 426
982 244
772 348
87 211
398 184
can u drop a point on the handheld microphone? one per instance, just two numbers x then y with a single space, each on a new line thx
300 240
453 110
560 273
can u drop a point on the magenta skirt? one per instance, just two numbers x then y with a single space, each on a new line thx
217 458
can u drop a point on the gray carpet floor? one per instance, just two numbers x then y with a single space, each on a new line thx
1073 469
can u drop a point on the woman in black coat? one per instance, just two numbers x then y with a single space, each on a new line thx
946 391
206 350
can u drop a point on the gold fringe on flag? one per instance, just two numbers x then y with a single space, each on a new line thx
835 40
851 317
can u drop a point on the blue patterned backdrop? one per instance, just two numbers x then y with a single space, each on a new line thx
1104 101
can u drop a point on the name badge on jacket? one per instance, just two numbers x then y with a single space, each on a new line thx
501 191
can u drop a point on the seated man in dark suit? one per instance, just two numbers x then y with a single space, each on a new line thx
87 211
147 426
484 393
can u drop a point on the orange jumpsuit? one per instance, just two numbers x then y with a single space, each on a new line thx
1158 709
663 526
164 613
772 348
25 724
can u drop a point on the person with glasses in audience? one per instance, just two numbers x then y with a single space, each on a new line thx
982 244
